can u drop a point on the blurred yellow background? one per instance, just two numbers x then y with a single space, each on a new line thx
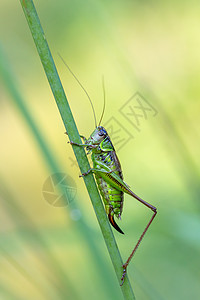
147 48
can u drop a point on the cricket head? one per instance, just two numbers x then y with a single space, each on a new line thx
98 135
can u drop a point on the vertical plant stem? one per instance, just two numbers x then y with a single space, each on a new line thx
65 112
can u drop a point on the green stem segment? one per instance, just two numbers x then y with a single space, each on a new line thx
63 106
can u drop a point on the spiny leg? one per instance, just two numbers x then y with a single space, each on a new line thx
141 237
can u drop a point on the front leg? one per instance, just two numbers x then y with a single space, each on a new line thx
84 138
82 145
86 173
72 143
81 136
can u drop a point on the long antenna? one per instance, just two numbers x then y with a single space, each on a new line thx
95 120
104 100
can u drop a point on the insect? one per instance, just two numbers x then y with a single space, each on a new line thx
108 174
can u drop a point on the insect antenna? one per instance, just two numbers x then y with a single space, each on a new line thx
95 120
104 100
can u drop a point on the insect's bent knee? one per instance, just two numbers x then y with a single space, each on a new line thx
154 209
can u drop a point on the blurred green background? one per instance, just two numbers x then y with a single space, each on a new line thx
149 47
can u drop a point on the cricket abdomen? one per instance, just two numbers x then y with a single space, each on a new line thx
113 201
112 197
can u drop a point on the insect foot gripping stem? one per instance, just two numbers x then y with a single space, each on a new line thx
86 173
124 273
72 143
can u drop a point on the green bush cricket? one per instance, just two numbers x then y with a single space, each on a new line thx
108 174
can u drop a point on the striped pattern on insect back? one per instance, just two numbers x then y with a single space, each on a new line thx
112 197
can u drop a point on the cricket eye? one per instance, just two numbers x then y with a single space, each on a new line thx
101 133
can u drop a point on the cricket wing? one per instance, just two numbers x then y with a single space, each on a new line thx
118 183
